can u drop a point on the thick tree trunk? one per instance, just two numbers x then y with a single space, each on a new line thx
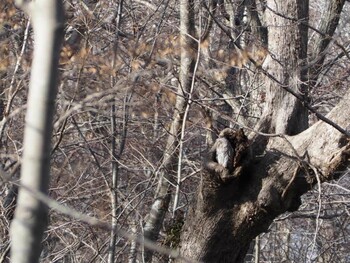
233 206
287 45
30 218
226 216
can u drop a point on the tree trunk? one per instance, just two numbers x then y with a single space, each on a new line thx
115 155
30 219
327 28
233 206
287 45
227 216
162 199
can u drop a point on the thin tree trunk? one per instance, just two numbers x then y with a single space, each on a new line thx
115 156
160 206
327 28
133 245
114 187
30 219
257 250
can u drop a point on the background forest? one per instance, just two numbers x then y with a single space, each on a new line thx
118 91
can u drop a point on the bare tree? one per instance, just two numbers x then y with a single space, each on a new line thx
138 91
226 216
156 216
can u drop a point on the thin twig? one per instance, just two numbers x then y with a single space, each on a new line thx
6 251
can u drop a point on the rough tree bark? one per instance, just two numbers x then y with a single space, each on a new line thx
328 26
234 205
227 216
30 218
287 45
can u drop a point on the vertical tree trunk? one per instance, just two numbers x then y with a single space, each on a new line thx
188 55
327 28
30 219
287 44
257 250
114 154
